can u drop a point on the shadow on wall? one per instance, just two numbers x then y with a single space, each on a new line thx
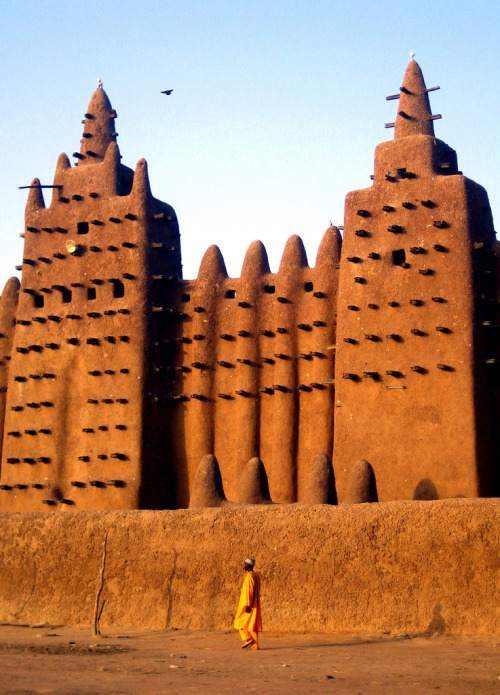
426 490
438 623
168 589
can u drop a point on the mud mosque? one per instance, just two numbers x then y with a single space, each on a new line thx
371 376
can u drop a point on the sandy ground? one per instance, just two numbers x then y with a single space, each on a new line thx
60 660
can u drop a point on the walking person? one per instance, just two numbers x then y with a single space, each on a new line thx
248 617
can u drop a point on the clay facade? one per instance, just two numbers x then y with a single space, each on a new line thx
119 376
78 370
256 364
411 342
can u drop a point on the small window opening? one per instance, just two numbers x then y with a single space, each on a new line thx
91 293
118 289
185 297
66 296
231 294
38 301
83 228
308 287
398 257
269 289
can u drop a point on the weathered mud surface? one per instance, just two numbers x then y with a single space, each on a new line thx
400 567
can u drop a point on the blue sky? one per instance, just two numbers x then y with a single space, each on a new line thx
276 110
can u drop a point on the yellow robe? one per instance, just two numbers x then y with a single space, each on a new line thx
250 596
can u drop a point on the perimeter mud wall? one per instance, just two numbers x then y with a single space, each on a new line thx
411 567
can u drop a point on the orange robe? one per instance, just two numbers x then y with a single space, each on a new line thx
250 596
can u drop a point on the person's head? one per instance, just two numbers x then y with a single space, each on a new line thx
249 564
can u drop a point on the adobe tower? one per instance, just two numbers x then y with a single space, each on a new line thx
85 346
412 392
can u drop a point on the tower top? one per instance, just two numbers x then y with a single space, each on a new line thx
414 111
98 128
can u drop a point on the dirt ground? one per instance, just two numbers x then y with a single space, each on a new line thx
68 661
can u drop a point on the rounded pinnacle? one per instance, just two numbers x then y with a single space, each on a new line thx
98 129
414 111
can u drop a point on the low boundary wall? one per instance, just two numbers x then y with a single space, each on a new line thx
397 567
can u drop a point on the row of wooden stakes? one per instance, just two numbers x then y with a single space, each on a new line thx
120 456
376 376
24 350
405 204
396 336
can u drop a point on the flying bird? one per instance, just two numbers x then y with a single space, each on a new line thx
168 92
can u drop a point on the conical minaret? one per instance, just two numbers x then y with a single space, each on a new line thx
98 128
414 110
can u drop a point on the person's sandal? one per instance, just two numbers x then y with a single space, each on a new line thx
246 644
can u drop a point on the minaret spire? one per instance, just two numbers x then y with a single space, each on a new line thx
35 200
98 129
414 111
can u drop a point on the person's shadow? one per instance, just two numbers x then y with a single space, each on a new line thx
438 623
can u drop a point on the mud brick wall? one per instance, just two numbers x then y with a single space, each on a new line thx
410 567
255 368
